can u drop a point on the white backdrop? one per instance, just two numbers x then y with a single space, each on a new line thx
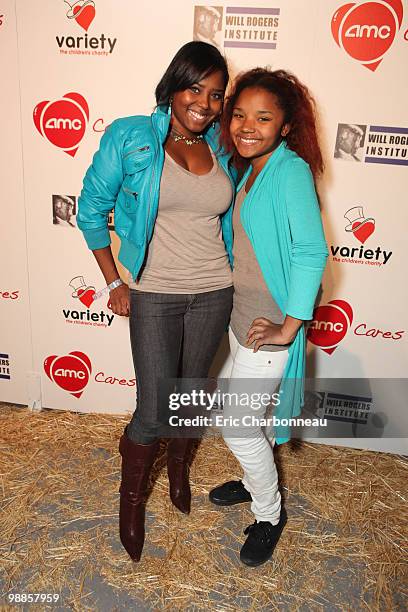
108 57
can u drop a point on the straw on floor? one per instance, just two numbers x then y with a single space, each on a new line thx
343 547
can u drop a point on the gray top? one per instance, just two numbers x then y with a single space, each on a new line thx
252 298
187 252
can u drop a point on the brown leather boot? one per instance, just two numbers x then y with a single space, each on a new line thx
178 468
137 460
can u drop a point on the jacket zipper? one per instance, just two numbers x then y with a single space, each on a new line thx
146 148
129 192
150 196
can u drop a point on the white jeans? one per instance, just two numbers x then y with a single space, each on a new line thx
253 450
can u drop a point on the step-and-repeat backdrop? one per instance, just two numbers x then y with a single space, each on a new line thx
70 68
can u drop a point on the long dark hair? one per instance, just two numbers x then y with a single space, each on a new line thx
297 104
193 62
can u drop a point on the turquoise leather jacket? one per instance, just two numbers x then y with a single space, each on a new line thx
125 175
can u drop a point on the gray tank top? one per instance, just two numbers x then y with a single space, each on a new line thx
187 252
252 298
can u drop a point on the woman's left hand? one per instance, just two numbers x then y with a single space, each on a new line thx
263 331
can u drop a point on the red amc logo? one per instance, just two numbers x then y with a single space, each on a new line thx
366 30
63 122
70 372
330 324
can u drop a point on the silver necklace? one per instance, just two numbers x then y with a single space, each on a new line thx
177 136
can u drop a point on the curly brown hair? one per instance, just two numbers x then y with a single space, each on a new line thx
297 104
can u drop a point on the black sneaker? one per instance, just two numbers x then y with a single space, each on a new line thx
261 541
230 493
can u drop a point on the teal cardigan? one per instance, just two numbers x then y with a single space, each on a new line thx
281 217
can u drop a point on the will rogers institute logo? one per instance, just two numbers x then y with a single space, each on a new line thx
332 321
245 27
5 366
63 122
365 30
83 13
373 144
361 228
70 372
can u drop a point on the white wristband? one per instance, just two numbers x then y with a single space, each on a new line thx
113 285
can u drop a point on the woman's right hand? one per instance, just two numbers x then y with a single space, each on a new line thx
119 300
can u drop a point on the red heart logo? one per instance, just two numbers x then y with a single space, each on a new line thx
330 324
63 122
70 372
365 31
84 15
364 231
86 297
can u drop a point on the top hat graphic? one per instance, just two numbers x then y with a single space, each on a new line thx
355 217
81 4
79 286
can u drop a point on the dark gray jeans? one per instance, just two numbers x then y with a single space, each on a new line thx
172 336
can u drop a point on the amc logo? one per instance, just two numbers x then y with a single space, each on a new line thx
70 372
63 122
367 29
330 325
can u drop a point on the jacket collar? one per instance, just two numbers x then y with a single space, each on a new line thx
161 121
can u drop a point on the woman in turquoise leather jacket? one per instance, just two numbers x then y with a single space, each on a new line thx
169 185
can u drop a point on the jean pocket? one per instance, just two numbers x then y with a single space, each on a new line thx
262 364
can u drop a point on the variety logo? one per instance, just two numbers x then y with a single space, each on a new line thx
86 295
367 29
243 27
83 13
4 366
63 122
1 20
362 229
332 321
70 372
330 325
374 144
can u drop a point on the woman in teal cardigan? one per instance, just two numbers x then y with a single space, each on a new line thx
279 257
